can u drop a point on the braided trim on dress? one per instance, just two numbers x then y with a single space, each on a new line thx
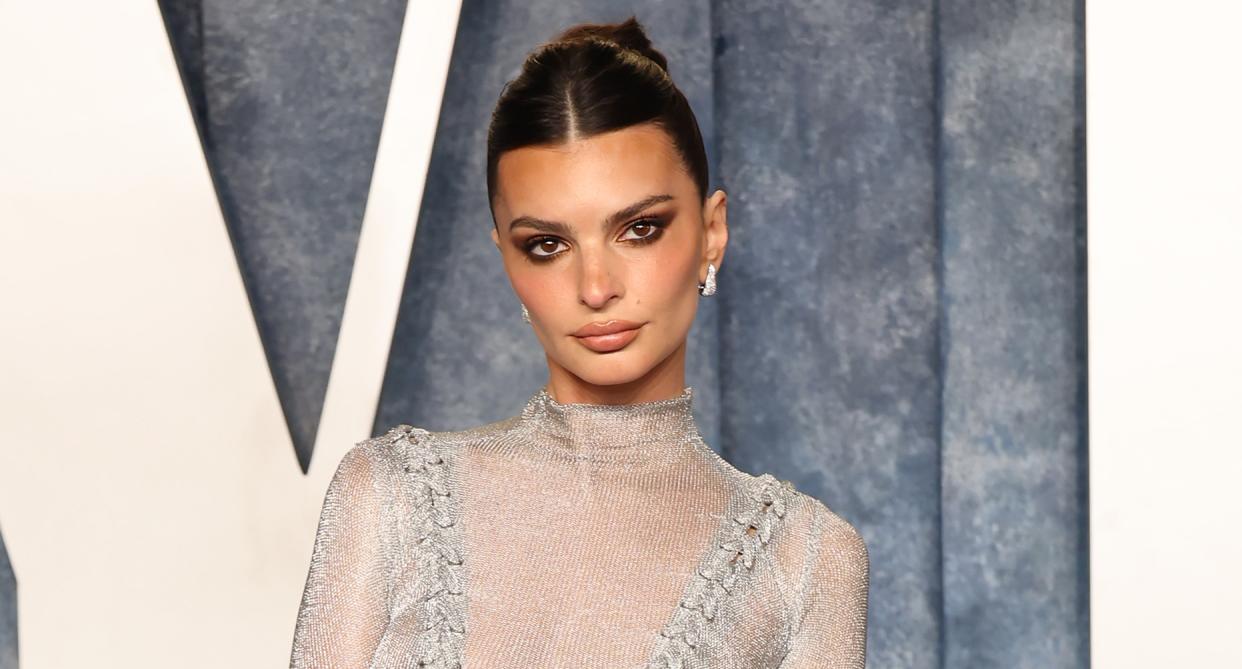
439 578
718 578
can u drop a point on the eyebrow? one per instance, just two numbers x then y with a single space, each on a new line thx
556 227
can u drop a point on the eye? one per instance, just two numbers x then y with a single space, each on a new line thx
647 229
543 247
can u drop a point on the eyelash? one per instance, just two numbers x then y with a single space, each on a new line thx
657 230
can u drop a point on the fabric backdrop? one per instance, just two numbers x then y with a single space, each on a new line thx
8 611
899 327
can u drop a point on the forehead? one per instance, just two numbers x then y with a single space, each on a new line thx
589 177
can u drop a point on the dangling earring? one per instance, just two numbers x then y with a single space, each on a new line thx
708 287
525 313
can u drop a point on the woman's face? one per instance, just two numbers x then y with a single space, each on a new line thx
608 230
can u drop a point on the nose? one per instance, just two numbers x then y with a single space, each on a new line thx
598 283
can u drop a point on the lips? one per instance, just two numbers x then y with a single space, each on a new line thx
608 336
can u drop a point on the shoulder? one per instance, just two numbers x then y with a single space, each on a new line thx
403 446
825 539
825 531
392 450
385 455
808 515
380 468
834 545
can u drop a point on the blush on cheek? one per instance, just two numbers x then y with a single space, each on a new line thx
671 296
681 275
542 296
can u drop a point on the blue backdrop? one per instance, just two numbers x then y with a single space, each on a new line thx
899 328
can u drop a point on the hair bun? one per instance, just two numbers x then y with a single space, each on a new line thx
628 34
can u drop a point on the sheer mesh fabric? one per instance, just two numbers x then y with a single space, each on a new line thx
576 535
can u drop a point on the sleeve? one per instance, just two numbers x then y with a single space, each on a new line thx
831 632
344 604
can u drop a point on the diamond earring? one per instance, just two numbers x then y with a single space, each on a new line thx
708 287
525 314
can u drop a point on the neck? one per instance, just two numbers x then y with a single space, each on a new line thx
612 432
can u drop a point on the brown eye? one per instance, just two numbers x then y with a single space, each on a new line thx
543 247
645 230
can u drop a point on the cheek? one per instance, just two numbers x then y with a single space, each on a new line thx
540 287
667 279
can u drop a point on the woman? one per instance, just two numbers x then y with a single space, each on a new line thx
595 528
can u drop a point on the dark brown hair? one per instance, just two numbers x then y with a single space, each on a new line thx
591 79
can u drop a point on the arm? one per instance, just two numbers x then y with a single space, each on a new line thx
344 603
832 631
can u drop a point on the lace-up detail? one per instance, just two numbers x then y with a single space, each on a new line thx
439 578
721 574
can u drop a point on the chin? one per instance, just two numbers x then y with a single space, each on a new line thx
613 369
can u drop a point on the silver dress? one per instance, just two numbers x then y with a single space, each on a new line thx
576 535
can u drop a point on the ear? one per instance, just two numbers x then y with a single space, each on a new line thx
496 238
716 227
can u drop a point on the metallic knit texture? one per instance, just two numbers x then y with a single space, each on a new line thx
576 535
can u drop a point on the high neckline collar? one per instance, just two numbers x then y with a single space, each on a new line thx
612 432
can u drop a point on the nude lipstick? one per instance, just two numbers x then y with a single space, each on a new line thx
607 336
